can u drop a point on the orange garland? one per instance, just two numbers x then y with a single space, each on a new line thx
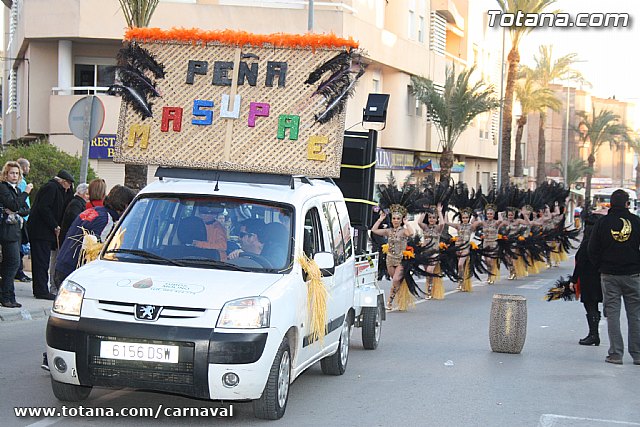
241 38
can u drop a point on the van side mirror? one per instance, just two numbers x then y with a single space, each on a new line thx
325 262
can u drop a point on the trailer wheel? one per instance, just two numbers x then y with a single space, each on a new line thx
336 364
371 326
273 402
70 392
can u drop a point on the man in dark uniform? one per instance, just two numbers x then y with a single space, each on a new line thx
614 247
44 228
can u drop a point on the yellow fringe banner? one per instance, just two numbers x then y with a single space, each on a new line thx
316 299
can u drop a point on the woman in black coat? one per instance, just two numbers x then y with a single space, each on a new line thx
587 274
14 207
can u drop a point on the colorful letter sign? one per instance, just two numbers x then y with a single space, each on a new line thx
236 101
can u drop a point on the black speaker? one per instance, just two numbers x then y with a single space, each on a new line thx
357 175
376 109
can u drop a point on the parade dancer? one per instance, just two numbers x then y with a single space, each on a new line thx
397 237
465 229
512 226
432 232
490 228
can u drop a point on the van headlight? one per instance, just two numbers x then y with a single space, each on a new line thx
245 313
69 299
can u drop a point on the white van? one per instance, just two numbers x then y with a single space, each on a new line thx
157 311
602 198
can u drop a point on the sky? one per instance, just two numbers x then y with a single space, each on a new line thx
611 55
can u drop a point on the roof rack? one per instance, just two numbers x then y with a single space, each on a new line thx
230 176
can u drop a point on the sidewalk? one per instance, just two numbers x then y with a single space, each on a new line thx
32 308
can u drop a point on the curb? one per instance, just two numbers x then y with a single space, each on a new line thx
24 314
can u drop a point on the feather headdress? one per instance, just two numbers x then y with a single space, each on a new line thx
509 198
463 200
397 200
433 195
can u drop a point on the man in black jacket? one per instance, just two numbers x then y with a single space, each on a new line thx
44 229
614 248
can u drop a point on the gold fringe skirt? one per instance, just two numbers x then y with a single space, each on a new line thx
466 281
438 287
404 299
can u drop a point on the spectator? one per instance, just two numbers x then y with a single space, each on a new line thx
25 166
98 221
74 208
97 192
587 276
44 229
15 207
614 247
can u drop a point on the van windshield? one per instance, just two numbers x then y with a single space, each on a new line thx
205 232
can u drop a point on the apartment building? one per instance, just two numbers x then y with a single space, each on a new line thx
60 50
614 166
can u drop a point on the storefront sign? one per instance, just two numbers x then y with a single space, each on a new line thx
102 147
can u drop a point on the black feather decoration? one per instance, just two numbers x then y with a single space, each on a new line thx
561 290
135 86
340 62
133 99
345 68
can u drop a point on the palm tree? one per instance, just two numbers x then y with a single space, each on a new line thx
546 71
453 108
533 98
517 32
137 13
576 168
594 131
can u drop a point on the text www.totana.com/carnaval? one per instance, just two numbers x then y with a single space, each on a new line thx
558 20
147 412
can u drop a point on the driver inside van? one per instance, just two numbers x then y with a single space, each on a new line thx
216 232
265 240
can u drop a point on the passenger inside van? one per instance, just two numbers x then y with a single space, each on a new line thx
216 236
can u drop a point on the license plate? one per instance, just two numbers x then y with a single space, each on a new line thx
139 351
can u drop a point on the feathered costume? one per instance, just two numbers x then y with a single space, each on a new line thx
561 290
399 251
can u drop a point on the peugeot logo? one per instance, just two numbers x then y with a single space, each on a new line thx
147 312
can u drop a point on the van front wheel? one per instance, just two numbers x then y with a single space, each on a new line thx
336 364
273 402
69 392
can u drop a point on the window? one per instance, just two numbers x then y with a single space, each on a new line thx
412 25
96 74
421 29
345 224
335 232
313 241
